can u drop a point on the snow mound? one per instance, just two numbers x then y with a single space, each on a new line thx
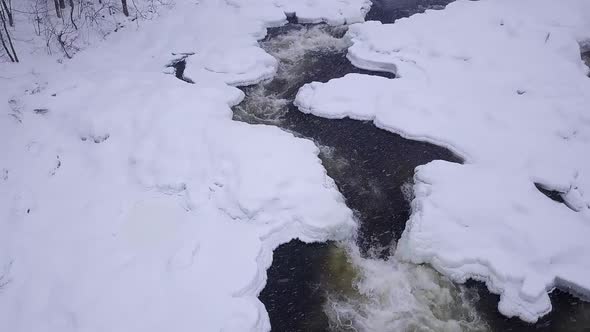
333 12
493 225
329 101
236 66
243 62
349 11
174 215
510 95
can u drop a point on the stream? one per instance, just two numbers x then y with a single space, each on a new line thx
358 285
354 285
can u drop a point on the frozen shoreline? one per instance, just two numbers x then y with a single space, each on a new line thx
355 283
513 123
132 201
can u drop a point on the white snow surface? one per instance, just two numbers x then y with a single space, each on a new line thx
502 84
130 201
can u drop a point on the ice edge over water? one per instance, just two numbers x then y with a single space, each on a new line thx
485 95
389 294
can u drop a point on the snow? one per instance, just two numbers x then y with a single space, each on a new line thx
349 11
524 245
132 201
510 95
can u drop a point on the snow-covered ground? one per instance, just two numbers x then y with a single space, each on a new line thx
502 84
130 201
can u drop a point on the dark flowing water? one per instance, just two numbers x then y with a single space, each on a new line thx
370 166
569 313
315 287
387 11
586 58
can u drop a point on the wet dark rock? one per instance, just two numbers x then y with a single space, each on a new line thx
96 138
41 110
100 139
554 195
291 18
57 166
179 67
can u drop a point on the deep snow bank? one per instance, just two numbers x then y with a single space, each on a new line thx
502 84
130 201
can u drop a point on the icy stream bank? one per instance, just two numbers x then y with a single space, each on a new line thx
130 201
517 127
355 283
271 103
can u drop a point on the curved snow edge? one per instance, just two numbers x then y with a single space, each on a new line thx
304 105
479 270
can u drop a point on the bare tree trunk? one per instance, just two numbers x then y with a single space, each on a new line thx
125 9
5 47
62 4
63 45
57 9
15 59
72 14
8 11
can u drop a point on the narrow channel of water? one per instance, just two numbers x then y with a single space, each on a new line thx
358 285
354 285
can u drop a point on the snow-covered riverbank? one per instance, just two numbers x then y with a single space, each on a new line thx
502 84
353 285
130 201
